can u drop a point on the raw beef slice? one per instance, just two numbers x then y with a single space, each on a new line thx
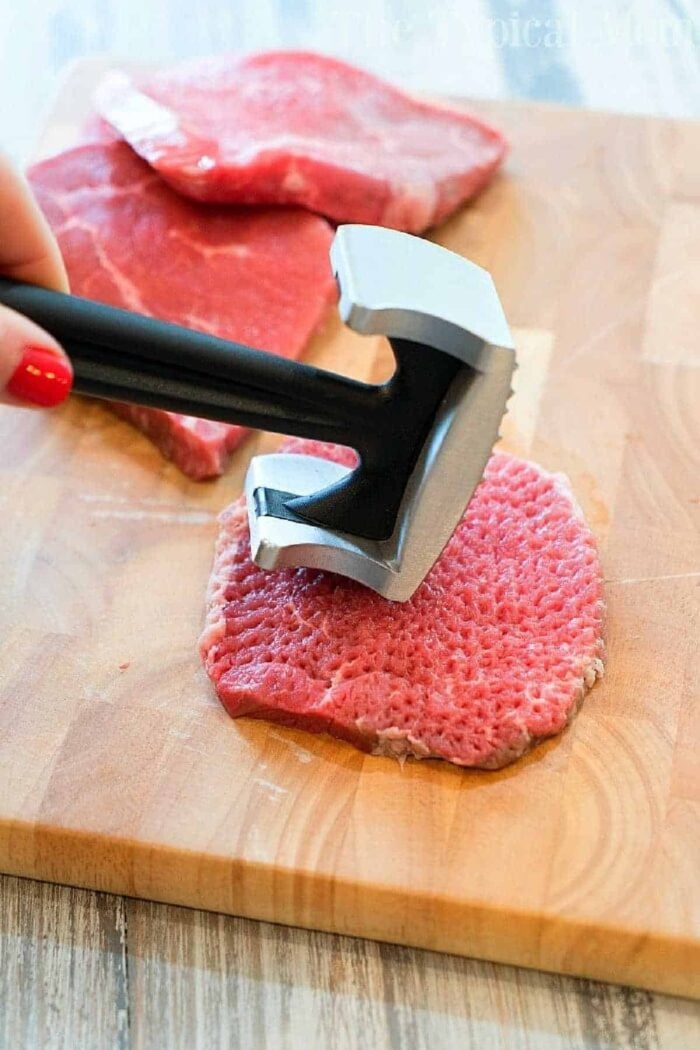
257 276
494 651
95 129
291 127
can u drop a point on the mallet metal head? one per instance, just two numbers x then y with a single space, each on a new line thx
423 438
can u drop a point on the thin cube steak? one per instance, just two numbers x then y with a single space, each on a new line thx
295 127
260 276
494 652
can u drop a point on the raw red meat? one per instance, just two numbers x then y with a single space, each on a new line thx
493 652
291 127
256 276
95 129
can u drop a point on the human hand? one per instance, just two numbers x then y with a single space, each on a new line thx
34 370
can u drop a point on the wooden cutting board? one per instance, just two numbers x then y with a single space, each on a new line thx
118 769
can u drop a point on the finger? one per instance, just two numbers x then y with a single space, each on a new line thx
28 249
34 370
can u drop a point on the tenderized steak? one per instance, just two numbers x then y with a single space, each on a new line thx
494 651
260 276
294 127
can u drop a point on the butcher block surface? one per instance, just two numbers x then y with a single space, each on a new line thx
120 771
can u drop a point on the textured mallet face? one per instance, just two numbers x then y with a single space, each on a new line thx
494 651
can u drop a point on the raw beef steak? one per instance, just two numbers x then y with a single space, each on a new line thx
493 652
95 129
290 127
259 276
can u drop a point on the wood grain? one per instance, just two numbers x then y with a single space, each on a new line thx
85 971
133 780
63 968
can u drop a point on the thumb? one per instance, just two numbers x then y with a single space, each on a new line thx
34 370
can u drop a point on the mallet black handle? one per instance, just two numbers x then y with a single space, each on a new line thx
121 356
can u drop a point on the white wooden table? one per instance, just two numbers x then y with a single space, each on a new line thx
84 970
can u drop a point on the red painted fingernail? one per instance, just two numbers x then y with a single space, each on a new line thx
42 377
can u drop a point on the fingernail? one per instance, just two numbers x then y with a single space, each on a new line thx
42 377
